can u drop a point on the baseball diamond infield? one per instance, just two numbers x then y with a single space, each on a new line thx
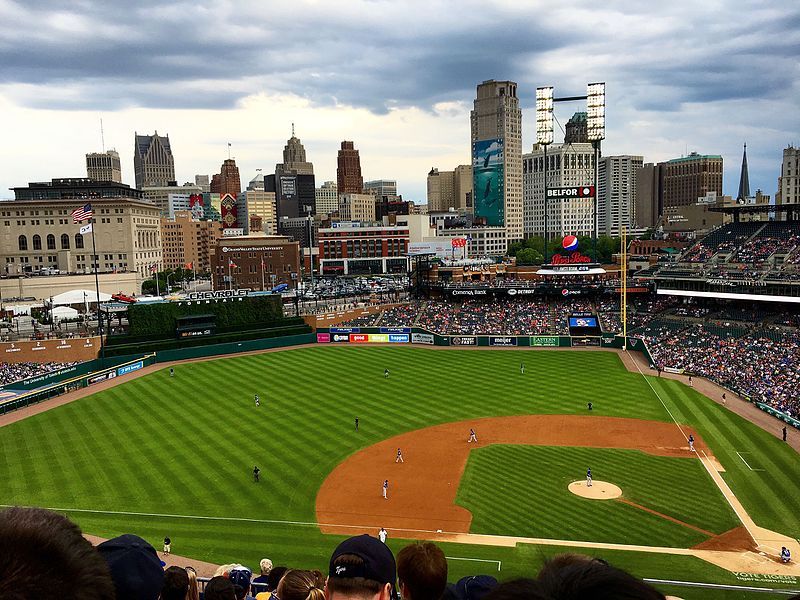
422 490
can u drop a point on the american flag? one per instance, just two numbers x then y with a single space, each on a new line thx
231 263
153 267
82 213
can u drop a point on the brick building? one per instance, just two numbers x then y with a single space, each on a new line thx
360 248
186 240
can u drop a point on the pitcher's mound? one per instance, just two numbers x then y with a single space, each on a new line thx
600 490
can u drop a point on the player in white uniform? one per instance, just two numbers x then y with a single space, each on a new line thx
472 436
385 489
382 535
399 457
691 443
588 478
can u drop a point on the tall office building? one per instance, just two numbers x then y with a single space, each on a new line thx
450 189
648 205
616 193
789 180
381 187
294 158
187 242
293 183
104 166
153 164
577 131
327 198
227 181
568 165
357 207
348 170
496 135
691 177
202 182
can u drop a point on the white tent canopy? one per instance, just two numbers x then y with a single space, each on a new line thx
79 297
64 312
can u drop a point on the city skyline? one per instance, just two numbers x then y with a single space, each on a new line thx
399 87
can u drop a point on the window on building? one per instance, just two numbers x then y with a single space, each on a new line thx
51 241
37 242
78 241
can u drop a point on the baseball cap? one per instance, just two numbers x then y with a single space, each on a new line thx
378 560
240 576
473 587
135 567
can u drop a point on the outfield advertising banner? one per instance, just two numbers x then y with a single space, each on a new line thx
345 330
544 341
101 377
463 340
487 180
123 370
395 329
398 338
323 338
503 341
340 337
421 338
379 338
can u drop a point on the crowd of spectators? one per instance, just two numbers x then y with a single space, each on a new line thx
759 249
400 316
11 372
43 554
479 317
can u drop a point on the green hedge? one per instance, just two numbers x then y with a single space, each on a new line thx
174 344
160 319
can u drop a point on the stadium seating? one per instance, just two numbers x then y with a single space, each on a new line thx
11 372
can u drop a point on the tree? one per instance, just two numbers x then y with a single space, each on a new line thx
529 256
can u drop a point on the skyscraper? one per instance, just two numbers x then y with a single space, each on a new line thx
577 129
294 158
789 181
153 164
293 183
496 134
450 189
104 166
691 177
744 179
327 198
616 193
348 170
228 180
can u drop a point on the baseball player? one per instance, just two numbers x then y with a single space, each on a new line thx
589 405
356 423
399 457
786 556
171 372
588 478
691 443
258 400
472 436
167 546
690 381
385 489
386 373
382 535
522 368
256 471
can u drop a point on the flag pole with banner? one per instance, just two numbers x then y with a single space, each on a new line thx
262 273
80 214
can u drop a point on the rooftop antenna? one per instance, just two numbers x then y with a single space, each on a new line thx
292 129
229 150
102 135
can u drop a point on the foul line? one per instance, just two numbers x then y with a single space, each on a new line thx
499 563
663 516
746 463
720 586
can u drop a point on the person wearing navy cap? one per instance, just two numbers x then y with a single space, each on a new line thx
361 567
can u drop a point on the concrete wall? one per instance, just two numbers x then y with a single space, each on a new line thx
44 287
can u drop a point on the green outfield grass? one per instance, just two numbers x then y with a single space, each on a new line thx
187 445
537 503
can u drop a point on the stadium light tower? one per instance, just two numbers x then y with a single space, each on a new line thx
596 132
544 137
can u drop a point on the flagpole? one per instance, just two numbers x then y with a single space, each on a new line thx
95 260
155 274
262 273
230 281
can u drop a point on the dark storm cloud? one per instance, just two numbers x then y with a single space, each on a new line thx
381 55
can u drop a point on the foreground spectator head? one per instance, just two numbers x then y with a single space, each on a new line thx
474 587
361 567
219 588
576 576
241 576
43 555
274 577
522 589
135 567
421 571
301 585
176 584
193 593
266 566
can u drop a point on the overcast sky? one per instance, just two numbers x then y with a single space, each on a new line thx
398 78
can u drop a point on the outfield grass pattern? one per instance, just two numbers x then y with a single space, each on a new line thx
187 445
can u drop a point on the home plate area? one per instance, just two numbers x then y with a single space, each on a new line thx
599 490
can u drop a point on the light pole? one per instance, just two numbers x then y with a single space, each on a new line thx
309 218
168 276
544 137
596 132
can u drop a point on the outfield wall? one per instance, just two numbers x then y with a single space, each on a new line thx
54 350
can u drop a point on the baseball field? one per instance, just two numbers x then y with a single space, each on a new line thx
161 455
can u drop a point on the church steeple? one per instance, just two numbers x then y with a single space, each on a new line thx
744 180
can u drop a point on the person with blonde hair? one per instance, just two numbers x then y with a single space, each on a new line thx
297 584
193 593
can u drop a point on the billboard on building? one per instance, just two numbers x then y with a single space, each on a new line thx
443 249
227 204
487 180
